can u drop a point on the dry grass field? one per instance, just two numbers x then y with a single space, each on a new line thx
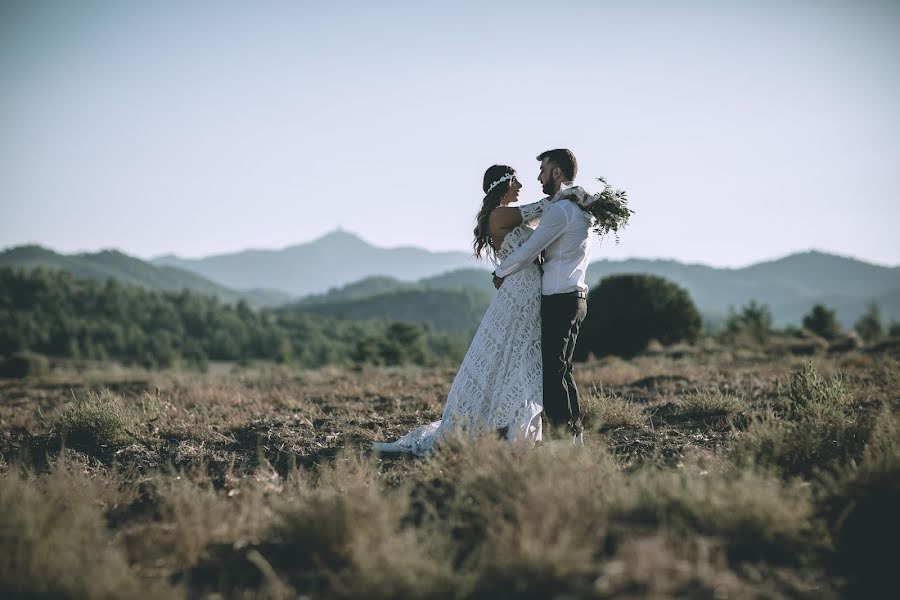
706 475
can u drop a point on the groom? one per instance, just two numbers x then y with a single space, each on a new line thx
563 233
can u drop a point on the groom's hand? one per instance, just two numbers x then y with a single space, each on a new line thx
498 281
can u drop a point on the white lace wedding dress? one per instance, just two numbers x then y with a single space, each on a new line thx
499 386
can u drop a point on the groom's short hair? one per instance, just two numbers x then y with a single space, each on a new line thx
564 159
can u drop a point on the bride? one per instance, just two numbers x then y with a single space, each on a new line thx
499 386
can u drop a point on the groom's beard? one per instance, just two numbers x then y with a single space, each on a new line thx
549 188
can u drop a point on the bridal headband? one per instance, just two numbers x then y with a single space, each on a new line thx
506 177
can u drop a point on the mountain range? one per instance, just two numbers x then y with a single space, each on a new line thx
790 285
342 269
333 260
112 264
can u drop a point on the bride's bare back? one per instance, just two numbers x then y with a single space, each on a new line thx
502 220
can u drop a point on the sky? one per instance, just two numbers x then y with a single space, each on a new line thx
742 131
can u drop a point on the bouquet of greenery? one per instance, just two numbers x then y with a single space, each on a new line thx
609 208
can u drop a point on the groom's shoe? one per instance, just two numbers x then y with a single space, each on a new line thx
578 440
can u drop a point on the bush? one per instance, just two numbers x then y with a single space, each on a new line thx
869 325
816 431
816 398
401 344
54 542
351 530
754 319
701 405
96 421
626 312
846 342
601 411
24 364
823 322
862 509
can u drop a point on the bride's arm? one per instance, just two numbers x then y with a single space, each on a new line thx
552 226
533 211
506 218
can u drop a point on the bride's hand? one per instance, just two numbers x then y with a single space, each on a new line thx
579 196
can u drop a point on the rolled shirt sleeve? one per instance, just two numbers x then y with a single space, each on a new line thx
553 225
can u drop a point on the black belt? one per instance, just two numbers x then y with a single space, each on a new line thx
575 294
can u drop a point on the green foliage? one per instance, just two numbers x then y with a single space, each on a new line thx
894 329
113 265
822 321
869 325
402 344
445 310
23 364
53 313
816 398
754 319
358 290
625 312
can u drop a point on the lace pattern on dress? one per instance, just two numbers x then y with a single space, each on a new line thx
499 384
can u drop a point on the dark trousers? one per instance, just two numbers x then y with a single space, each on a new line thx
561 317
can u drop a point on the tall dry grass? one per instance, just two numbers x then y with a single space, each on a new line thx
55 543
795 499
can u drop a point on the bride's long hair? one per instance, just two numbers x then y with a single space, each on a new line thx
491 201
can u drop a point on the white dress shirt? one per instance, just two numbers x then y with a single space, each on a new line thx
563 231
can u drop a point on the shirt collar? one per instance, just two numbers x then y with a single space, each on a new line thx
563 187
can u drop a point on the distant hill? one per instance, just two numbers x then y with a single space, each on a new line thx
128 270
340 268
358 290
446 310
477 279
333 260
459 280
789 285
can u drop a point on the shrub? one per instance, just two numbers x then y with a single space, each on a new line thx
401 344
815 431
600 411
589 505
709 404
754 319
794 447
626 312
869 325
846 342
54 542
350 529
755 514
862 508
97 420
823 322
816 398
24 364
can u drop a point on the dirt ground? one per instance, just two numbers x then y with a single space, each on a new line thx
243 434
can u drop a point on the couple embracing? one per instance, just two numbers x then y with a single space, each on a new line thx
520 360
